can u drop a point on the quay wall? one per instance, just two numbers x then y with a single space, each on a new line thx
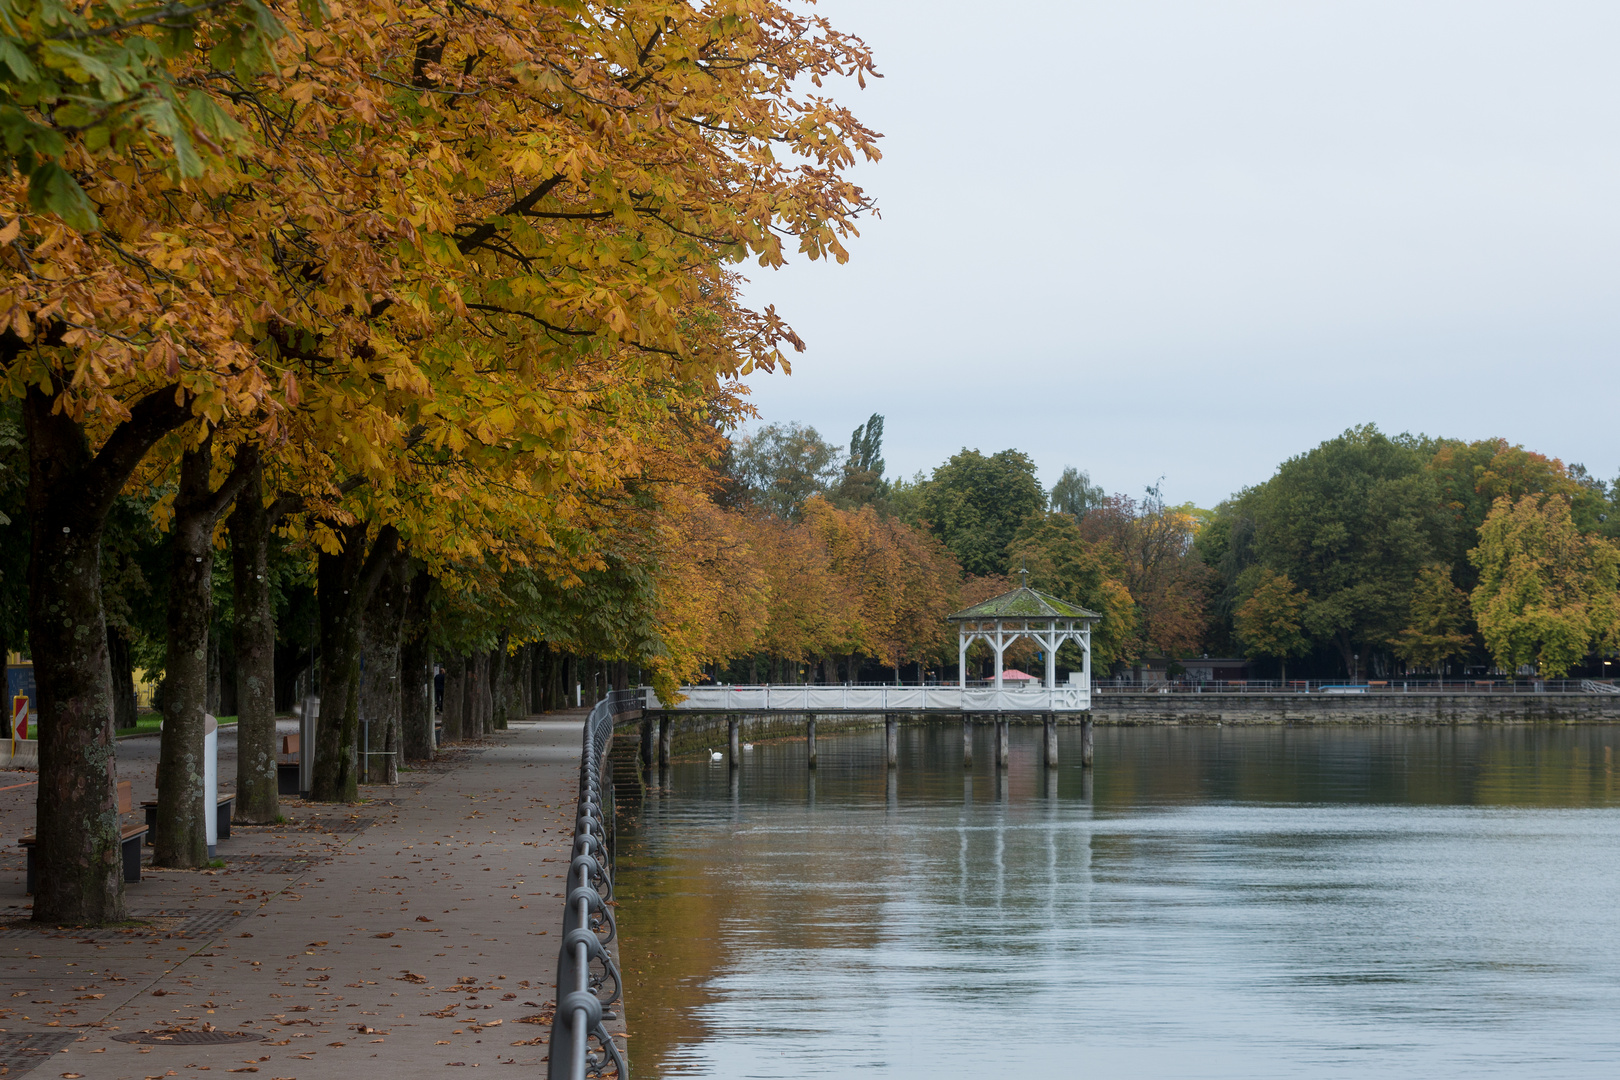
1377 708
694 732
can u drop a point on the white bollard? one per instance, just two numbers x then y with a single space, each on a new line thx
211 781
306 745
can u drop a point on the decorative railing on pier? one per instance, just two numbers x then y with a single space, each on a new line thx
1064 698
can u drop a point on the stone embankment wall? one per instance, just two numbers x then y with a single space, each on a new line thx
1377 708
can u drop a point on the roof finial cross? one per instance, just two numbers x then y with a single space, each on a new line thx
1023 578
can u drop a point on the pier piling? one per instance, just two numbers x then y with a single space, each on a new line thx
810 737
967 740
891 740
731 731
1049 731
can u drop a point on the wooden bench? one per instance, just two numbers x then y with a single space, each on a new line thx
130 838
224 805
289 771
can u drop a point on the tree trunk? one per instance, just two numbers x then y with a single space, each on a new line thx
226 649
556 680
254 637
416 673
472 716
486 691
344 582
1347 652
125 711
70 492
211 705
499 671
455 674
182 837
379 680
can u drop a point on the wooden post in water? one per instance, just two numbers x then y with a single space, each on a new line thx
1050 733
1085 740
810 738
967 740
891 740
1001 741
665 729
646 741
731 731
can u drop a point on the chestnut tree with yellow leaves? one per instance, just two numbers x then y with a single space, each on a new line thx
450 269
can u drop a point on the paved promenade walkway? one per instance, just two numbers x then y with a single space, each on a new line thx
409 936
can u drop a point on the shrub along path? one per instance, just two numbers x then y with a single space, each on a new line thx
413 932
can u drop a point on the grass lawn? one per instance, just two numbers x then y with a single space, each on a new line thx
149 724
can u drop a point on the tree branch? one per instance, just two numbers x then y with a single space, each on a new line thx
150 418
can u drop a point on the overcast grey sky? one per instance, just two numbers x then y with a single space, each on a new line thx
1191 239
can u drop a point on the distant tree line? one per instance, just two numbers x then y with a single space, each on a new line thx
1367 556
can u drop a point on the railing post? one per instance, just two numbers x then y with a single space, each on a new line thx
810 739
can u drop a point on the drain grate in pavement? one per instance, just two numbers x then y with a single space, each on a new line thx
188 1038
203 922
21 1051
273 864
174 923
337 825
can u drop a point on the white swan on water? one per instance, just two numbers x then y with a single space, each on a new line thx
715 755
748 746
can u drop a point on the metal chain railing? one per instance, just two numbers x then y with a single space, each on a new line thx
588 981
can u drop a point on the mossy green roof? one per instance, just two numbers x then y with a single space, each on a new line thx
1024 603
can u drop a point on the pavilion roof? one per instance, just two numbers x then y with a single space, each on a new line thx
1023 603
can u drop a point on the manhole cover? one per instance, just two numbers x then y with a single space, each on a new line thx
188 1038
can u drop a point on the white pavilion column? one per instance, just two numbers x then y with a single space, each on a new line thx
999 646
1051 655
1085 657
961 658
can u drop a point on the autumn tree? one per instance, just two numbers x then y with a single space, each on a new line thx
1546 594
1154 544
199 501
447 254
1063 563
1471 476
1437 625
122 321
1351 523
1269 621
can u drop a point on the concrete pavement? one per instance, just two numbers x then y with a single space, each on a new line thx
408 935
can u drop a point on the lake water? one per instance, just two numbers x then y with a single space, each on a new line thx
1206 902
